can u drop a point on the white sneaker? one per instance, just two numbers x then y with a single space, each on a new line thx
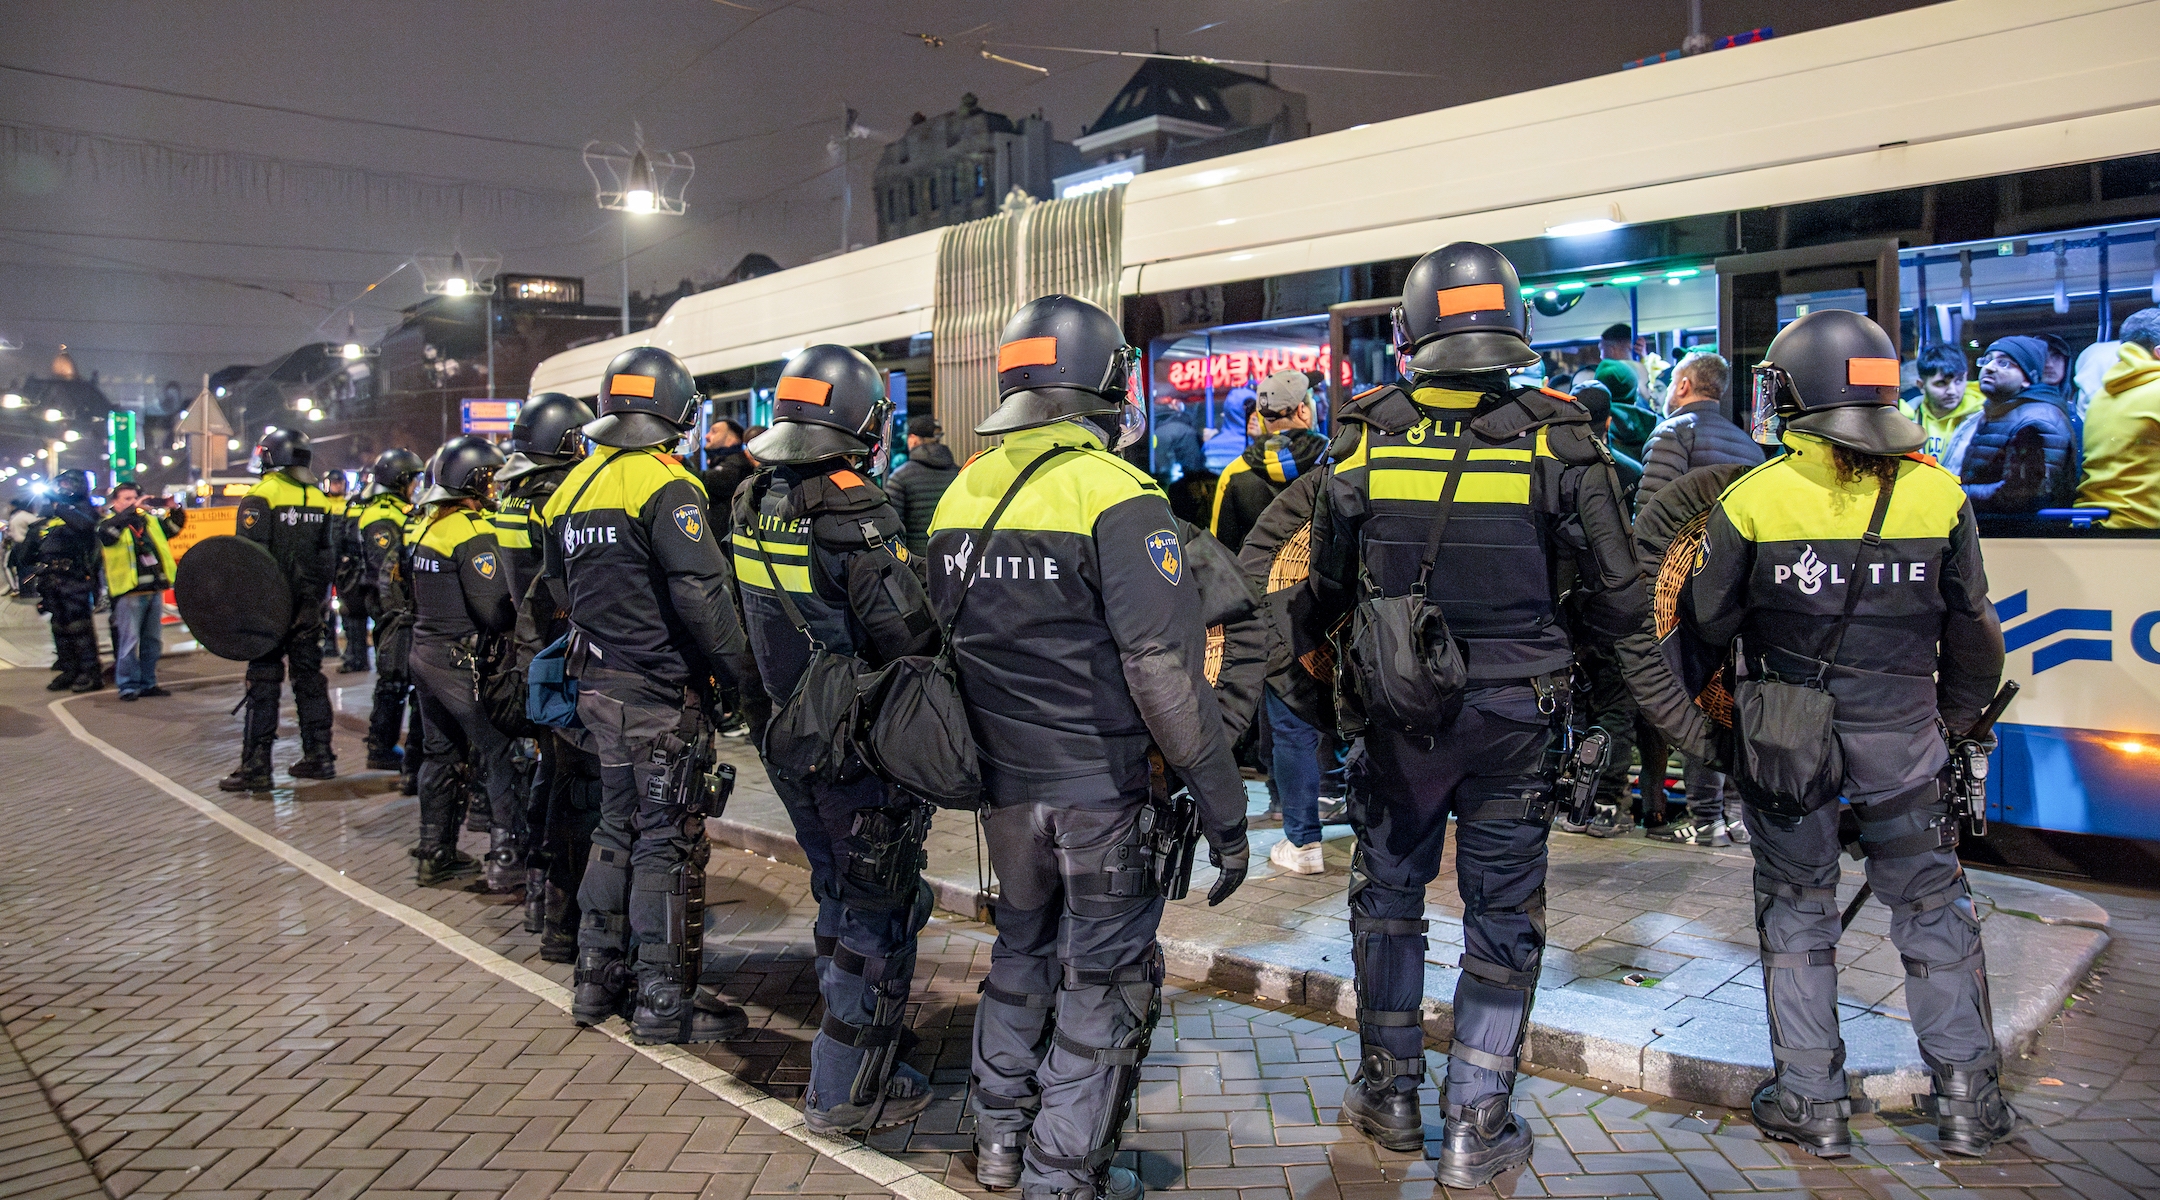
1738 832
1298 860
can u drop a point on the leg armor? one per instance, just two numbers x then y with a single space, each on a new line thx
1013 1021
857 1080
1911 846
1134 1007
1796 919
258 726
1109 1001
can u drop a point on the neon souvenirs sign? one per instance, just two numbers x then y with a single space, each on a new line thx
1242 368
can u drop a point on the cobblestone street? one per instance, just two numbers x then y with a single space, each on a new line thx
250 997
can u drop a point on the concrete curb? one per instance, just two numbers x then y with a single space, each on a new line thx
2040 940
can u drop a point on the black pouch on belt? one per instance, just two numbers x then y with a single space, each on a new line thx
1404 670
1788 763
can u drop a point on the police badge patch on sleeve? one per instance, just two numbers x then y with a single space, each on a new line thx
691 522
485 564
1164 552
248 518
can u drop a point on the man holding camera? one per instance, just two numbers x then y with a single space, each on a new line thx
139 567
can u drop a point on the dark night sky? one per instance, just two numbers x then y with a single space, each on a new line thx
161 236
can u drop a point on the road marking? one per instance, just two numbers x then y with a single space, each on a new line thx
784 1118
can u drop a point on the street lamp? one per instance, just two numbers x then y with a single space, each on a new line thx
55 416
460 276
632 181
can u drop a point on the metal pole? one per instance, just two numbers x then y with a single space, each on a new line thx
491 344
847 162
626 273
2107 308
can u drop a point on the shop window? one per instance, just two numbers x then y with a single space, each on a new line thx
1208 377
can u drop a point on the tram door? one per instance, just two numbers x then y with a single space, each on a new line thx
1759 294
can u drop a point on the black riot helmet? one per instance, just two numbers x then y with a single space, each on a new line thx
1833 374
284 450
545 434
462 470
395 469
1462 312
1060 358
647 398
75 485
830 403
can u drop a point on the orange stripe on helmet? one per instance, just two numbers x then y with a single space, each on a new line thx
1871 372
846 479
1476 297
803 390
1027 352
632 385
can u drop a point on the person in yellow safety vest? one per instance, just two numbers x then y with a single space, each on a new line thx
138 568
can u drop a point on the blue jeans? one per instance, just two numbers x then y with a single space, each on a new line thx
138 638
1296 768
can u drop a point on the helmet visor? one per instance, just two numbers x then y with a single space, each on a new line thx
1132 423
1120 371
1767 380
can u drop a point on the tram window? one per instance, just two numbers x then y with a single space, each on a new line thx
2055 431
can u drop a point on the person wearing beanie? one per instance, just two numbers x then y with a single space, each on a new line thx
2024 454
1631 422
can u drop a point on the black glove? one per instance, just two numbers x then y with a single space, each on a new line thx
1230 853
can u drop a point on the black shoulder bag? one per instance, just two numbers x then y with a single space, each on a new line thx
1402 668
1787 760
810 736
916 733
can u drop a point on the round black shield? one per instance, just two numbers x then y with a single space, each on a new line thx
233 597
1678 678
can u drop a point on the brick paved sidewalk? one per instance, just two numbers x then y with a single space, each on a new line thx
210 1019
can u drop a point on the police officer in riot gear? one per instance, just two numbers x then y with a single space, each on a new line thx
386 592
1850 548
64 549
1081 642
653 635
820 555
1490 502
459 596
349 581
290 517
545 442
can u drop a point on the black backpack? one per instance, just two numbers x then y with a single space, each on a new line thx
1402 668
915 730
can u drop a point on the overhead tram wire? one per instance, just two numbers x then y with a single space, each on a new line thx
285 110
1210 61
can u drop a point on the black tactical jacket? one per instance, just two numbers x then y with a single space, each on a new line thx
458 581
835 547
1084 638
1537 514
292 521
1781 546
649 585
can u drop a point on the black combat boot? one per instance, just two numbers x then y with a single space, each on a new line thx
505 862
1969 1110
384 758
88 680
1482 1140
599 986
258 731
558 936
997 1161
1384 1113
1816 1126
440 859
671 1013
535 899
315 765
